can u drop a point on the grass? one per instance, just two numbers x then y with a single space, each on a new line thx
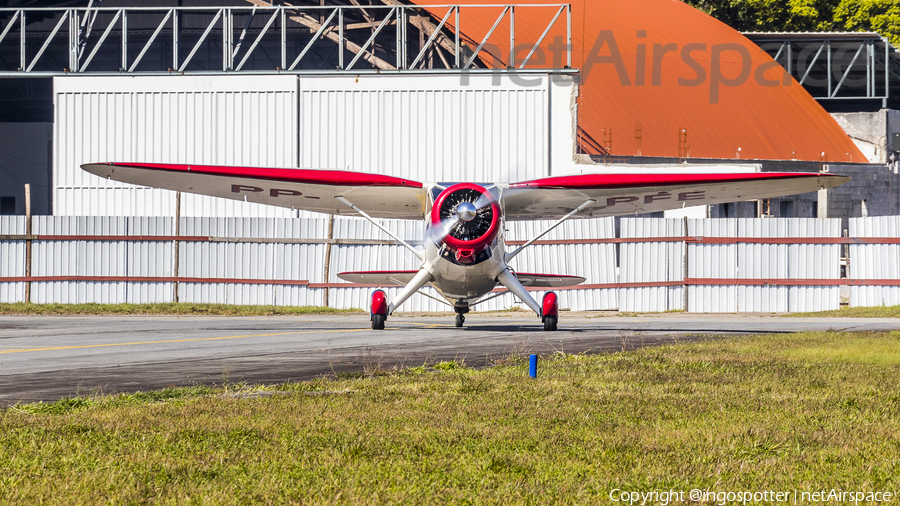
854 312
802 411
164 309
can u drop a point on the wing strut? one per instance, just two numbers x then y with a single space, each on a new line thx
510 256
419 254
509 280
420 292
422 278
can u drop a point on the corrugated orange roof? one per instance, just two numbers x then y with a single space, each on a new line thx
751 108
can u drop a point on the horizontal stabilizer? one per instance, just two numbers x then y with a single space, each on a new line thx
380 278
400 278
548 280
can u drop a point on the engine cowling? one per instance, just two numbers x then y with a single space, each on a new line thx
469 230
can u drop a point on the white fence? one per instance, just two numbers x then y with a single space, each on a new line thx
876 264
709 265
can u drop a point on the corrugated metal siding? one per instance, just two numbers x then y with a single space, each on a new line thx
595 262
651 261
238 120
875 261
426 128
252 261
763 261
12 259
346 258
640 262
101 258
712 261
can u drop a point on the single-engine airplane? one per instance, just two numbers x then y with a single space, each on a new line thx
465 255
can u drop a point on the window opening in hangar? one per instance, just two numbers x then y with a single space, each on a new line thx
7 206
787 209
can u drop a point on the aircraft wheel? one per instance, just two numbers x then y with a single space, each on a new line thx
460 319
378 321
550 323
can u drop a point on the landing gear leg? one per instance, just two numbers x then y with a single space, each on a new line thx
460 319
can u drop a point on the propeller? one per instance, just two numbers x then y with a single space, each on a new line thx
465 214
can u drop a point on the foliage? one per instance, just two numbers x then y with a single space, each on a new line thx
882 16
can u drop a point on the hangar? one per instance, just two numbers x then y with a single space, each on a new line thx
425 92
207 82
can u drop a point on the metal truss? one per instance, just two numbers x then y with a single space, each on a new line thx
79 35
837 66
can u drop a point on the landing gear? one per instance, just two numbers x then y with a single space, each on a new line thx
379 309
550 323
550 311
461 309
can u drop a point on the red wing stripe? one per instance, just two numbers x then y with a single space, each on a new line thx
307 176
612 181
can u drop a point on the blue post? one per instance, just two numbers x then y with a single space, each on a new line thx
532 366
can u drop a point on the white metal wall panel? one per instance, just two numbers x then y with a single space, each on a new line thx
651 261
101 258
763 261
252 261
426 128
712 261
788 261
875 261
595 262
238 120
12 259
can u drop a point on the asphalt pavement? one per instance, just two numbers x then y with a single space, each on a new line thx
45 358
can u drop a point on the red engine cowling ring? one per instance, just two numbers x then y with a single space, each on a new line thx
476 245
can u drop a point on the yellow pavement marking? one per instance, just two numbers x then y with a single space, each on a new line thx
426 325
178 340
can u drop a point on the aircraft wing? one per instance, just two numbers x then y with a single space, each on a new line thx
620 194
309 190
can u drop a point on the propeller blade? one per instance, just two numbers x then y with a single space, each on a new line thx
441 231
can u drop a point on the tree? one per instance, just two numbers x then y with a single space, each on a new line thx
882 16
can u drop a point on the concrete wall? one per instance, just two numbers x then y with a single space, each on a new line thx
871 131
25 158
876 185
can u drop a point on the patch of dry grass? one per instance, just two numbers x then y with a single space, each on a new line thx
165 309
853 312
